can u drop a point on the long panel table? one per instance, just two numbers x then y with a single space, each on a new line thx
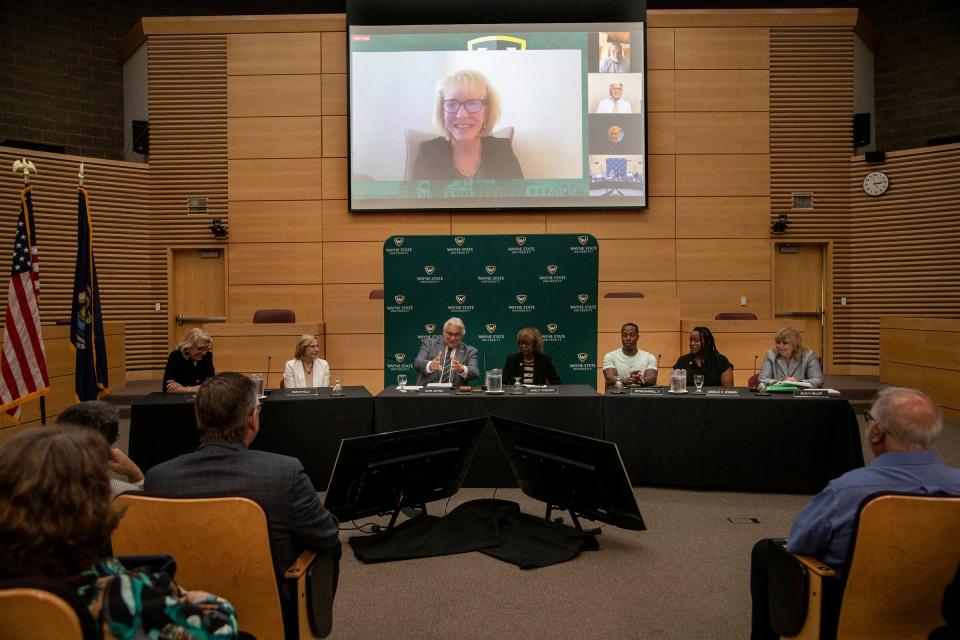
774 443
163 426
574 408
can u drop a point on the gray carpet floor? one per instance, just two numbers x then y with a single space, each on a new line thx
685 577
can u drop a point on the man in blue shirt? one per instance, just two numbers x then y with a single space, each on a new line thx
901 428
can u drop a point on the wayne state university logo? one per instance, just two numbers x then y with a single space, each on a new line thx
460 298
491 328
582 297
583 240
430 327
399 299
552 269
582 357
521 240
521 298
490 269
429 269
400 357
459 240
398 240
552 327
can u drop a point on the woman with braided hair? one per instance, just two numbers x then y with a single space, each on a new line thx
705 360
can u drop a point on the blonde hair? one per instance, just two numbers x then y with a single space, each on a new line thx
302 345
789 335
190 338
468 79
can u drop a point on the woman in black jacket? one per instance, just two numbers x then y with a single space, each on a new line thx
531 366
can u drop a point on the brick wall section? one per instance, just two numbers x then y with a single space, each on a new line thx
61 83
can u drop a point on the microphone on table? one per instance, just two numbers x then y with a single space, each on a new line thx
266 380
753 377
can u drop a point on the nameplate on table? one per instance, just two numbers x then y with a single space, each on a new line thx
542 390
292 393
811 393
723 393
435 390
640 391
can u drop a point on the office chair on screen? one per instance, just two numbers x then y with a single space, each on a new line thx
903 555
222 546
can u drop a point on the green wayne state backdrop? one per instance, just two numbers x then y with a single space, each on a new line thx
497 285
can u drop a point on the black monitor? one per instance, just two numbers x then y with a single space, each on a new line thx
569 471
385 472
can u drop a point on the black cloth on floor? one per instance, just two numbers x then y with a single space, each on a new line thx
495 527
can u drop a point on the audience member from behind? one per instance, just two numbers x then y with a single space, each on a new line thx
629 364
104 418
307 369
704 359
228 419
56 516
791 361
531 365
190 363
901 427
466 109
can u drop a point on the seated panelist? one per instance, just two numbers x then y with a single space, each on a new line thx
791 361
704 359
190 363
629 364
306 369
531 365
447 359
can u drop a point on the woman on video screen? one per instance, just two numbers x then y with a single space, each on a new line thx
467 108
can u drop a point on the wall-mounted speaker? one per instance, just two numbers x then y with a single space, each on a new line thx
874 156
861 129
141 137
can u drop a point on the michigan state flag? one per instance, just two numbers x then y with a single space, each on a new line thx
86 330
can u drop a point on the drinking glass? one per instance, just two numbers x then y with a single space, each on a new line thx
517 385
402 382
698 382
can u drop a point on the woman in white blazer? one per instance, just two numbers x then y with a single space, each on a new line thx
306 369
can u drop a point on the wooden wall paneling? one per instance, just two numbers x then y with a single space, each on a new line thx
371 379
341 225
661 132
902 375
660 49
707 18
276 221
277 95
662 175
722 132
657 221
275 137
334 178
482 222
660 315
348 308
723 175
274 53
334 57
306 301
626 260
347 351
944 386
723 217
722 89
353 262
270 263
274 179
333 100
707 298
335 135
723 259
722 48
661 90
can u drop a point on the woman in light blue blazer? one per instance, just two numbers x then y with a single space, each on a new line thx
791 361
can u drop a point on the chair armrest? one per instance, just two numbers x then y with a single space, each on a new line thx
300 565
816 566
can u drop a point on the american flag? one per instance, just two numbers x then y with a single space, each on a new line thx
23 367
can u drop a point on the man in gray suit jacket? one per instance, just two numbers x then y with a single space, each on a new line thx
228 418
447 359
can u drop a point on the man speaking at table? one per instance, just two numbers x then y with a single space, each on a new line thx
446 359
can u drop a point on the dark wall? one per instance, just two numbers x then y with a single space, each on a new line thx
61 82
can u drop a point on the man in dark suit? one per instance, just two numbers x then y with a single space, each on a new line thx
228 419
447 359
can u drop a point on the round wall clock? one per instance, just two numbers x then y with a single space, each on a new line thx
876 183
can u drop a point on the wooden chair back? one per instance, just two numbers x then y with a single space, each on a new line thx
906 551
37 614
221 545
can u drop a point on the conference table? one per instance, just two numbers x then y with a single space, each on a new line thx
305 424
572 408
733 439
